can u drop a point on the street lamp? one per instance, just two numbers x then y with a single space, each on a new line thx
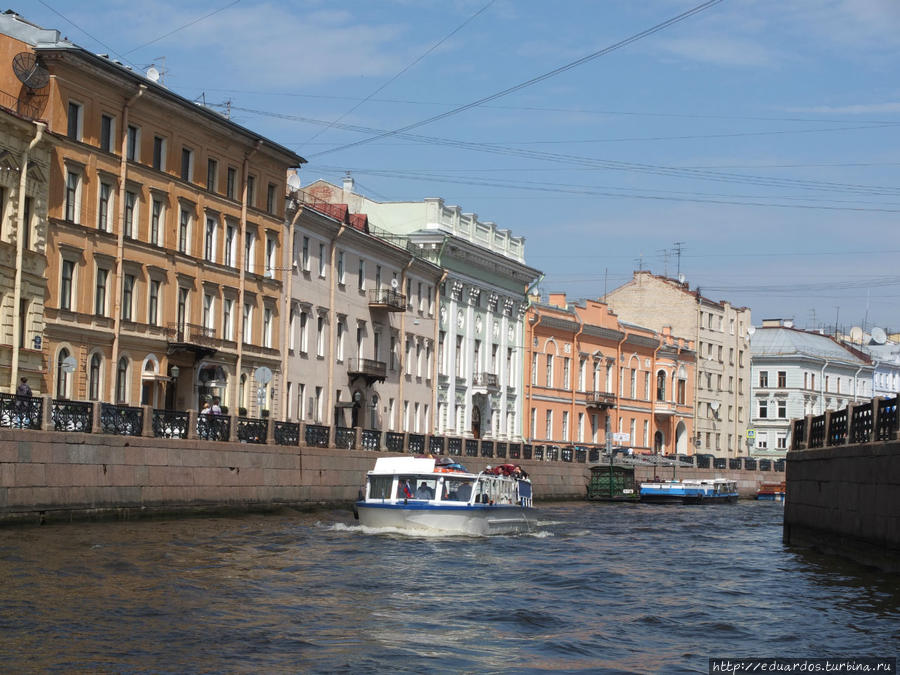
174 370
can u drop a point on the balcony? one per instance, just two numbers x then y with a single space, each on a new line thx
663 408
485 381
189 337
369 369
387 299
599 399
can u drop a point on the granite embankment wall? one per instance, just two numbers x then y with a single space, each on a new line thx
846 500
52 475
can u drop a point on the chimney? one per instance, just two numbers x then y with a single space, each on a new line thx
348 187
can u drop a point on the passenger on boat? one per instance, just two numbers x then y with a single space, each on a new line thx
464 492
424 492
519 473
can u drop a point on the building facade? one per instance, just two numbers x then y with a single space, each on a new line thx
797 373
588 372
481 303
165 223
360 351
719 331
24 191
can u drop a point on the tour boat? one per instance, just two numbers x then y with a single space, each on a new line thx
689 491
421 494
772 492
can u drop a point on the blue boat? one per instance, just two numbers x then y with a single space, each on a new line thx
690 491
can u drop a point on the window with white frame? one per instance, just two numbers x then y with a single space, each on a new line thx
187 164
100 291
548 430
271 248
209 239
127 297
73 195
293 330
153 302
763 408
534 423
340 339
157 220
304 338
565 425
105 200
267 327
361 274
131 226
159 153
75 122
304 255
184 230
66 284
320 336
340 268
228 318
133 145
549 371
230 244
566 372
322 261
249 252
248 324
107 133
208 314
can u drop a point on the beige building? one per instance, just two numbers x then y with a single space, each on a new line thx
165 228
719 332
360 349
24 190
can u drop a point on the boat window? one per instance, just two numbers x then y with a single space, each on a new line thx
457 489
424 487
380 487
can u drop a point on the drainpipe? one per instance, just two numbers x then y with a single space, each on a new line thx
618 375
822 386
20 253
856 382
332 328
654 398
578 355
403 364
530 350
435 414
288 271
120 241
239 364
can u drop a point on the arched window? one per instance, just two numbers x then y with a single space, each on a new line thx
94 378
62 377
661 385
122 381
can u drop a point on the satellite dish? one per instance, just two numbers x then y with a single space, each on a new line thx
293 181
262 375
30 71
152 74
856 334
69 364
879 337
394 283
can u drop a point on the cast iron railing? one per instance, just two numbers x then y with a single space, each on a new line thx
72 416
214 427
393 441
471 447
454 446
122 420
21 412
286 433
170 423
371 439
415 443
316 436
345 437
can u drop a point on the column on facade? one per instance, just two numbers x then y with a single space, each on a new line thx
450 355
504 375
469 358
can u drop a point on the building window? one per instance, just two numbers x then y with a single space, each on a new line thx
26 223
565 425
184 230
230 243
159 153
104 207
782 379
247 327
187 164
361 275
66 284
130 202
62 377
75 122
251 191
156 219
781 441
762 440
763 408
73 196
209 241
208 316
100 292
228 319
661 385
304 260
340 268
249 251
107 132
566 367
94 378
267 328
133 146
122 381
763 378
271 248
230 180
153 306
304 341
340 340
322 261
782 409
127 296
181 316
270 198
212 174
548 431
320 336
549 373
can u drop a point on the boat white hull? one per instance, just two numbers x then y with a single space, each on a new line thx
475 519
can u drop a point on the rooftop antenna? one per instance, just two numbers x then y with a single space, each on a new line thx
640 262
678 250
665 255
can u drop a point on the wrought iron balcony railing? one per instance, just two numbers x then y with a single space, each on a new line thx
599 399
367 368
488 380
388 299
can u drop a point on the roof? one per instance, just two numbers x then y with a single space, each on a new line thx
781 341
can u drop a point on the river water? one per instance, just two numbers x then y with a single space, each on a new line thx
598 588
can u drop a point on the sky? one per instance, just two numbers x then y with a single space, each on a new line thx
750 145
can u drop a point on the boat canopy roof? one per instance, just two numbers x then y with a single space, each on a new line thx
394 465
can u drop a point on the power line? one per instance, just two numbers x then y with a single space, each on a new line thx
395 77
187 25
540 78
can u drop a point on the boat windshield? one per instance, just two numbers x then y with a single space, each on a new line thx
457 489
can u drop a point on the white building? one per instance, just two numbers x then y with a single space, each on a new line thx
482 297
885 355
796 373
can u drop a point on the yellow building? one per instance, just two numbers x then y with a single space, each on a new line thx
165 231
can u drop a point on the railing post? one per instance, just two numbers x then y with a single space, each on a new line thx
192 425
427 448
826 442
47 412
301 435
331 435
270 430
405 449
147 417
95 417
807 429
849 438
358 443
876 416
382 442
232 429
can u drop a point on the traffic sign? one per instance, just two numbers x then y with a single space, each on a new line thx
751 433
